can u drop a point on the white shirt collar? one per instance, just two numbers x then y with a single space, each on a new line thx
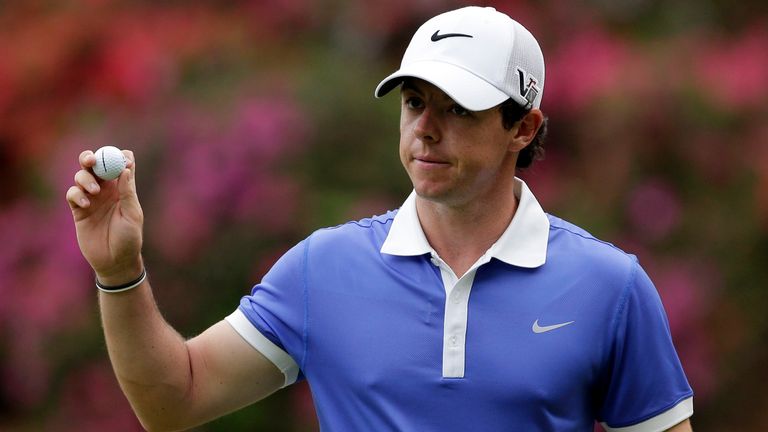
523 243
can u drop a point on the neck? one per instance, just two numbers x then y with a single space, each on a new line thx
462 234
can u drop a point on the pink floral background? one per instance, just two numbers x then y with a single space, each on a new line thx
253 123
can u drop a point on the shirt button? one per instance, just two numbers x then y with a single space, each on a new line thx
454 340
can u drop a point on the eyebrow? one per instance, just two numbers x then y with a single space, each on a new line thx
409 85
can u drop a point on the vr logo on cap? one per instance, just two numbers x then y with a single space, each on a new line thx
529 90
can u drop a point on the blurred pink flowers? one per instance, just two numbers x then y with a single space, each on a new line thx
216 171
654 210
214 100
734 72
92 401
44 287
133 67
584 68
688 289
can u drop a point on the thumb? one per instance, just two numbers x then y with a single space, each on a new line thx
126 187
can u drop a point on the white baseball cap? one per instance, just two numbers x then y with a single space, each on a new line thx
476 55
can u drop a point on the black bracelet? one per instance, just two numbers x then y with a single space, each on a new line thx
124 287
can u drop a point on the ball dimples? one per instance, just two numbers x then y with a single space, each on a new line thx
110 162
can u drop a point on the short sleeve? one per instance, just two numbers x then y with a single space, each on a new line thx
645 386
272 317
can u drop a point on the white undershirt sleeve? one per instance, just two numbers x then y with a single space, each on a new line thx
274 353
661 422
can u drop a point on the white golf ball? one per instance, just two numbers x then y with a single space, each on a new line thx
110 162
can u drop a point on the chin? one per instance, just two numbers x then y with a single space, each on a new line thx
432 193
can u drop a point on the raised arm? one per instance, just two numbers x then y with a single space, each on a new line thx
171 383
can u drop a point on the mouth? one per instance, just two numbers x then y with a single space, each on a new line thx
430 160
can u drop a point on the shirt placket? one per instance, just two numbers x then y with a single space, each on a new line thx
457 292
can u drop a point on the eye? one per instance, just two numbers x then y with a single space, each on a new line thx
459 110
414 102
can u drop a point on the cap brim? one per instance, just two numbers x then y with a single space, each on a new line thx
464 87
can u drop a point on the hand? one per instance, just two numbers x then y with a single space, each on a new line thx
108 220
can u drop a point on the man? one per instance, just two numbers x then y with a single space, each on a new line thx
469 308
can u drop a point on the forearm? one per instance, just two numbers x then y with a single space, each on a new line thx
154 365
150 359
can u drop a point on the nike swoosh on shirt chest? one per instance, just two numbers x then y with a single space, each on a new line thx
547 328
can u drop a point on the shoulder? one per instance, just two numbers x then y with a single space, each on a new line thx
565 235
331 247
369 231
582 250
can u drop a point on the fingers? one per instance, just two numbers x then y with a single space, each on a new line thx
77 198
126 181
129 158
87 181
88 185
85 178
126 186
87 159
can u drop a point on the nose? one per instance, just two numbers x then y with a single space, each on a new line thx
427 128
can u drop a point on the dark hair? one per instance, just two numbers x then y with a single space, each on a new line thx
511 113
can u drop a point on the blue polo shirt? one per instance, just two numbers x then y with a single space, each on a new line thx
550 330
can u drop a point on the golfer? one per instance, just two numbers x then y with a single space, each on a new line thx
468 308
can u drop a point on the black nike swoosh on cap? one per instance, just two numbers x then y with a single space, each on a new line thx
436 36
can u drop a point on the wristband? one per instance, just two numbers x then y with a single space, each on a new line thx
124 287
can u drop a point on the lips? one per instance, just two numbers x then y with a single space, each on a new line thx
428 159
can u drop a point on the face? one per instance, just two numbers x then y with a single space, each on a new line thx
452 155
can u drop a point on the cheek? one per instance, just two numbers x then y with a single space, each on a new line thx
405 139
402 148
405 127
486 158
403 119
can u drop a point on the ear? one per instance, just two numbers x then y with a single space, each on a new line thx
525 129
